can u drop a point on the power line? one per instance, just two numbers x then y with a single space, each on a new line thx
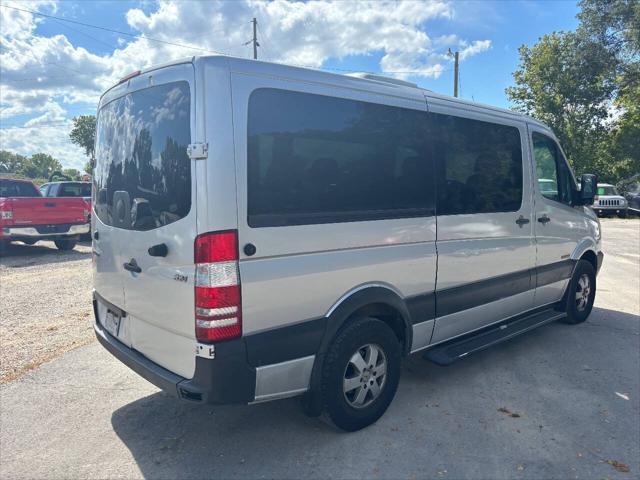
191 47
119 32
38 125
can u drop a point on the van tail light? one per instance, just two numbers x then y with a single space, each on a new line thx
217 295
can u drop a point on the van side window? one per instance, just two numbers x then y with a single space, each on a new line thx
479 165
554 178
319 159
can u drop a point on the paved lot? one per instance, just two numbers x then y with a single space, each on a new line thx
569 395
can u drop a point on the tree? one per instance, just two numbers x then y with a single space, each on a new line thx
11 162
564 80
616 25
40 165
586 86
83 134
72 173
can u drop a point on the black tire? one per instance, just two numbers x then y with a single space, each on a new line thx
623 214
29 242
65 244
356 337
577 311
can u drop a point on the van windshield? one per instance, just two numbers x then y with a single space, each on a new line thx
142 177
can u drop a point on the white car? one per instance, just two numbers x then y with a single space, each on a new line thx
264 231
609 202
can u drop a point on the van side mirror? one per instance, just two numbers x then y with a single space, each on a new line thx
588 188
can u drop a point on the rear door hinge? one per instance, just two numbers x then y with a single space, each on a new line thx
198 150
205 351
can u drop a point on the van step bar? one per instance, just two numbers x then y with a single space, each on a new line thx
448 352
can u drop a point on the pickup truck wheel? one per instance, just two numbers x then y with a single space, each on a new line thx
360 374
581 293
65 244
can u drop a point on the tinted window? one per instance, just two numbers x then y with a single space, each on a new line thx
554 178
607 191
74 190
320 159
9 188
479 166
142 178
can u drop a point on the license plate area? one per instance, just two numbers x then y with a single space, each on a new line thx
110 317
111 323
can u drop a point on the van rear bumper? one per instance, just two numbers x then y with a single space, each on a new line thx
227 378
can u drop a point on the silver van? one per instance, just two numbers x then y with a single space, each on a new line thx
262 231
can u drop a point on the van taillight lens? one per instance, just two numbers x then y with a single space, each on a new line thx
217 295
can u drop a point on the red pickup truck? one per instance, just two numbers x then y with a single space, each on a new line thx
27 216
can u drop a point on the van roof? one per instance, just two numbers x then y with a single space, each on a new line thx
368 81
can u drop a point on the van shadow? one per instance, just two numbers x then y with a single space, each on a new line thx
172 439
18 254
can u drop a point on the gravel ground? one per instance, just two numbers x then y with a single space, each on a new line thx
45 298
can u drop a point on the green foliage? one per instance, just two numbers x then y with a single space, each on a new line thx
72 173
585 86
83 134
39 165
11 162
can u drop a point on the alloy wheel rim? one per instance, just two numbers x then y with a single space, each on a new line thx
583 291
365 376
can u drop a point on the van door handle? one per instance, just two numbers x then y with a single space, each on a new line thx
544 219
96 235
132 266
522 221
159 250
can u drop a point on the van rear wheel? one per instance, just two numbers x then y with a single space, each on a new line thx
360 374
581 293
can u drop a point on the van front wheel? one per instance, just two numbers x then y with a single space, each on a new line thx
581 293
360 374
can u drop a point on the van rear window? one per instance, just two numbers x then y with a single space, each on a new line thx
142 177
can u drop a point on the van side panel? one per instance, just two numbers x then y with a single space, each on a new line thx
299 272
485 260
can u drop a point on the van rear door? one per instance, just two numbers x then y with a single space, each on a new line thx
145 186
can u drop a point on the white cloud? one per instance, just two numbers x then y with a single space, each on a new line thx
39 72
53 140
54 113
474 48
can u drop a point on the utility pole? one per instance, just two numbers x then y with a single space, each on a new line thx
255 39
456 56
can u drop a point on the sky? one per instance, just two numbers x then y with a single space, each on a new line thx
52 69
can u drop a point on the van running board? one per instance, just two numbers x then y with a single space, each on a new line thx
448 352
